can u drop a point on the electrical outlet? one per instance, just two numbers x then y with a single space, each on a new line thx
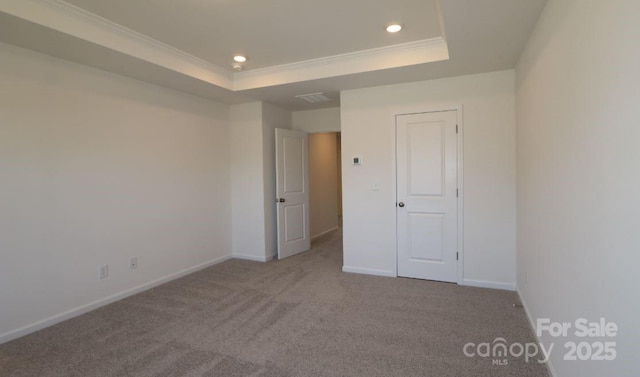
133 263
103 271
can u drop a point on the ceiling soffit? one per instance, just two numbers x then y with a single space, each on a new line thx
69 19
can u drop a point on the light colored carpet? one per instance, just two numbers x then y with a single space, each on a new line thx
297 317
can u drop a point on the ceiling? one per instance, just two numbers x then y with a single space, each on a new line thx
293 46
270 32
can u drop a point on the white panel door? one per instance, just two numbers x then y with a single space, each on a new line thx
292 190
427 203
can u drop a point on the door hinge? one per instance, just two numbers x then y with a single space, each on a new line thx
457 193
457 255
456 128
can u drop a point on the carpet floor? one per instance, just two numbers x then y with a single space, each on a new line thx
300 316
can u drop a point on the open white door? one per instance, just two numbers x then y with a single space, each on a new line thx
427 212
292 190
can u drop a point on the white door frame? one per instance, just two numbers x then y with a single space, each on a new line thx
460 146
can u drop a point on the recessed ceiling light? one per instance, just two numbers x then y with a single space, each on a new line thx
394 28
240 58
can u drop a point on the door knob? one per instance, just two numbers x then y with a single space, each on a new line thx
281 200
401 204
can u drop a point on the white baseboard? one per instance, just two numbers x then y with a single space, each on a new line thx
489 284
325 232
254 258
369 271
532 325
28 329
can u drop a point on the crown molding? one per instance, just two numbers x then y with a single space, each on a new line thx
400 55
69 19
79 23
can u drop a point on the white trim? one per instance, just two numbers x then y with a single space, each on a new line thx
325 232
369 271
489 284
459 109
460 114
28 329
394 183
327 131
532 325
254 258
400 55
441 20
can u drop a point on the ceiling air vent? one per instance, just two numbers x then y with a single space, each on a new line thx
314 97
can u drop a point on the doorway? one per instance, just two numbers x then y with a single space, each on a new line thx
325 183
